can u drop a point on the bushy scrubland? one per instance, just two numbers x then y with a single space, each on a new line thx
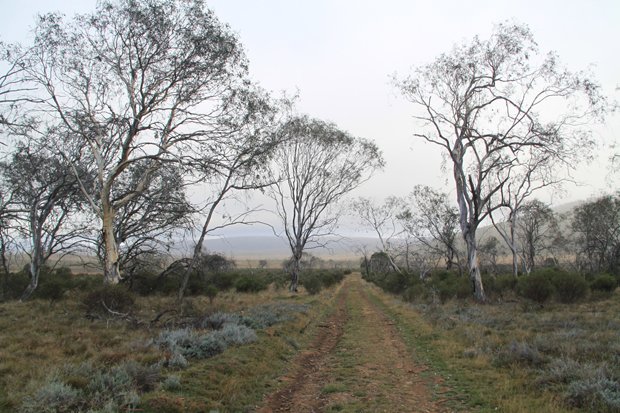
558 329
127 346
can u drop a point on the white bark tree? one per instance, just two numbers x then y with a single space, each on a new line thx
137 83
49 200
237 163
317 166
537 229
382 219
433 222
494 103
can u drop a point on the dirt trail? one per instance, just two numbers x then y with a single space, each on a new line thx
357 363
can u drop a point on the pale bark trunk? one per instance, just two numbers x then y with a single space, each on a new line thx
111 270
474 268
35 255
468 223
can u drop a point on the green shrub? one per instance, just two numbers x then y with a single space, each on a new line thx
395 282
109 298
505 283
211 292
16 284
53 285
569 287
447 285
223 281
604 283
415 292
536 287
250 284
311 283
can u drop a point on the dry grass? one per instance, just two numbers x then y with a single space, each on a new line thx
40 339
521 357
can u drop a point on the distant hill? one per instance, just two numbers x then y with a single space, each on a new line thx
272 247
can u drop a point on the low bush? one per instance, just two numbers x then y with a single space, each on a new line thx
270 314
595 394
53 397
211 292
536 287
15 285
518 352
54 284
569 287
311 283
415 292
250 284
84 388
171 383
604 283
107 299
447 285
223 281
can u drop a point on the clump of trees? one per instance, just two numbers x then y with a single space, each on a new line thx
110 119
487 104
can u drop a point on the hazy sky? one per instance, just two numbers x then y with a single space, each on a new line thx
340 55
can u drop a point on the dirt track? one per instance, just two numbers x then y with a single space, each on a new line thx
358 362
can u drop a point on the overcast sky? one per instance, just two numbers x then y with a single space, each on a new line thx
340 54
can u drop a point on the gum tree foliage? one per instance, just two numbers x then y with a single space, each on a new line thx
382 219
434 223
14 90
317 165
596 225
136 84
520 183
48 202
493 104
237 162
146 226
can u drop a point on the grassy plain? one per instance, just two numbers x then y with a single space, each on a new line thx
386 355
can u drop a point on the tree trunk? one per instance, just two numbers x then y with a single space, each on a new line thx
191 267
35 271
468 222
35 254
295 269
111 270
474 268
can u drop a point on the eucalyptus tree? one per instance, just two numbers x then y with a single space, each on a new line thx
48 201
316 166
150 224
596 225
433 222
237 162
494 103
136 83
537 230
519 182
382 219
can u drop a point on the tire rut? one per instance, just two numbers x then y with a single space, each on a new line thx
360 347
302 393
